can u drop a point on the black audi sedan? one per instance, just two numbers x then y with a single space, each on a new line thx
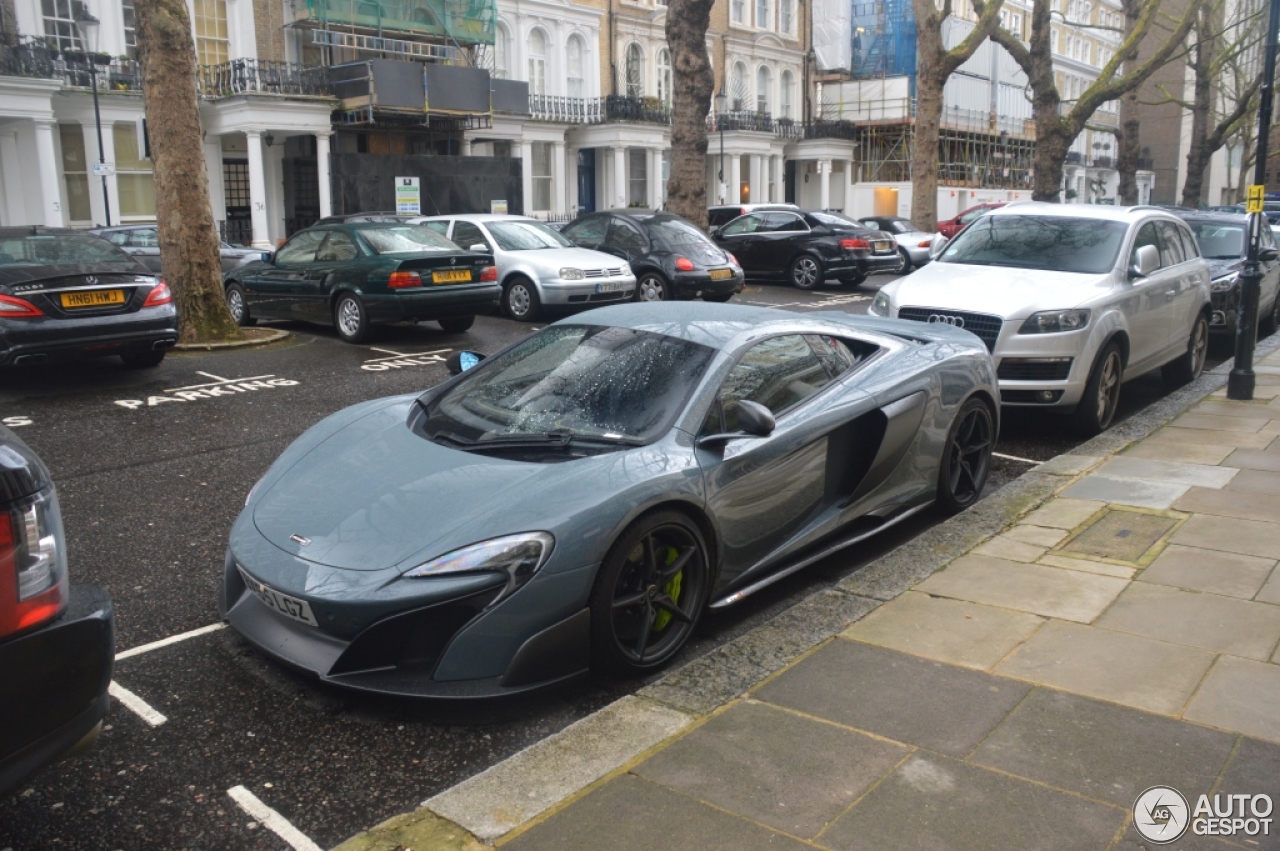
65 294
807 248
57 641
669 256
355 275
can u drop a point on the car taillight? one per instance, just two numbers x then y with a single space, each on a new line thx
160 294
33 565
684 264
489 273
855 245
16 308
404 280
928 243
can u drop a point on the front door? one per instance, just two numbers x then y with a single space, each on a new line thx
275 290
1146 303
741 237
586 180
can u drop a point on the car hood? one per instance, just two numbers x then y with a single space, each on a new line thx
1221 268
1009 293
554 259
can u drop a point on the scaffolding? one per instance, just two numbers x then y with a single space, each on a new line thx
965 158
462 23
884 40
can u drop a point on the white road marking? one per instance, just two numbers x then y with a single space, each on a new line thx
271 820
219 381
165 642
1015 458
16 422
384 351
135 704
395 355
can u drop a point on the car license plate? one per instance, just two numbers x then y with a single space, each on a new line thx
610 287
721 274
92 298
881 245
290 607
451 276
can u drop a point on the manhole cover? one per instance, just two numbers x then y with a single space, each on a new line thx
1121 535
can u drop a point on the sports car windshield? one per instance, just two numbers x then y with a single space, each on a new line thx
1051 243
409 239
575 381
55 249
526 236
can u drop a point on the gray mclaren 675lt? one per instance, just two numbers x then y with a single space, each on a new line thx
577 500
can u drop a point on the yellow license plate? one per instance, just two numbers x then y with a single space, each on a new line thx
450 276
93 298
721 274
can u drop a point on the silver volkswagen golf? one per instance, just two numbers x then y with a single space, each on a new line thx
540 270
1072 300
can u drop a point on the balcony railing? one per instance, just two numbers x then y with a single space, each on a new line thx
1101 162
36 59
632 108
566 110
256 76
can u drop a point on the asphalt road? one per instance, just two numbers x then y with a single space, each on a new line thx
153 466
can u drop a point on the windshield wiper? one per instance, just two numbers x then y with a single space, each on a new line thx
556 439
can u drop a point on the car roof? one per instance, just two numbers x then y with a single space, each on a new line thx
1214 216
476 217
707 323
1079 211
38 230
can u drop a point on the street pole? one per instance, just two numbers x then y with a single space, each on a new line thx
102 156
722 101
1240 382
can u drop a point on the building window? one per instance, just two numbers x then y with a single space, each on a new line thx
540 171
762 13
134 180
537 62
501 52
738 94
787 16
60 23
763 83
573 57
738 11
638 178
784 110
664 76
634 71
75 172
130 28
213 46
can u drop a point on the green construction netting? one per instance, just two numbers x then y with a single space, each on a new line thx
463 21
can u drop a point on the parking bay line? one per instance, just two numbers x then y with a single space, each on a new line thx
1016 458
165 642
271 820
395 355
135 704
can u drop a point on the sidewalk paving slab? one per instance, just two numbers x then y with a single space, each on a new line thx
1267 460
1228 574
1256 481
1196 619
1228 534
1241 695
1228 503
1038 589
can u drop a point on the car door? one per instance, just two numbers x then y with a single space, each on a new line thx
144 244
467 234
627 241
1182 292
1270 289
784 236
336 253
588 232
741 237
272 290
764 490
1145 301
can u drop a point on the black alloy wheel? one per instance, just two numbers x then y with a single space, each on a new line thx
806 272
649 593
966 461
238 306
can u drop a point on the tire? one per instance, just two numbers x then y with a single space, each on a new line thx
966 460
806 272
652 286
1097 408
649 593
142 360
853 280
905 266
721 298
457 324
238 306
350 318
520 300
1272 322
1188 366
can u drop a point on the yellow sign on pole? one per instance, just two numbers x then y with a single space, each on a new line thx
1256 199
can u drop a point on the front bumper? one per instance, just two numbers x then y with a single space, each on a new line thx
1224 311
53 339
560 293
696 284
55 685
419 305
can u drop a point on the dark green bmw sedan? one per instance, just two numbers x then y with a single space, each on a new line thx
352 276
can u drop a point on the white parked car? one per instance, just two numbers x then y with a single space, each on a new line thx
1072 300
540 271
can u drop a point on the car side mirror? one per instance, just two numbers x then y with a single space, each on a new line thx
937 245
714 232
754 420
1146 259
269 257
459 362
1266 255
479 246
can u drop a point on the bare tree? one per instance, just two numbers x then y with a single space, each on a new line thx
188 236
934 64
692 84
1127 135
1056 128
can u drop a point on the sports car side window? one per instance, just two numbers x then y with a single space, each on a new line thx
834 355
779 373
302 248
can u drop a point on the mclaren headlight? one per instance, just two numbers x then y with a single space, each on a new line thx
1055 321
879 305
518 556
1224 284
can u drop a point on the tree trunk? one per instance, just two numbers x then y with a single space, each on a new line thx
1053 137
691 89
1052 143
924 154
188 235
1198 154
1128 150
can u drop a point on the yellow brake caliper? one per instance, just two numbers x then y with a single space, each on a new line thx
662 617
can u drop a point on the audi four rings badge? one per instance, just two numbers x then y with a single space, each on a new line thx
942 319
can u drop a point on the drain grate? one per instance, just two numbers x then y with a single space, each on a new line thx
1121 535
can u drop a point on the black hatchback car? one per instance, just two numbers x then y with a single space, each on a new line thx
669 256
66 294
807 248
57 641
1223 240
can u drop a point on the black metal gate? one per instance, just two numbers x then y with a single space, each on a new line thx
238 227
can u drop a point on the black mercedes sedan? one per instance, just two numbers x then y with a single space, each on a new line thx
65 294
353 276
57 641
807 248
669 256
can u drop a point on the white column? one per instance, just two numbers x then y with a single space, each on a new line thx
217 186
779 189
824 184
257 190
11 173
323 178
559 187
755 179
619 187
526 176
848 187
47 163
276 225
466 148
96 210
654 167
733 177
